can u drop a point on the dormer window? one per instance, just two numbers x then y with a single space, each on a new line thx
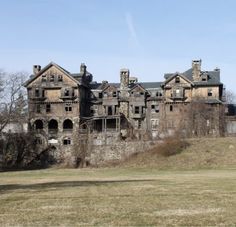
177 80
209 92
204 77
159 94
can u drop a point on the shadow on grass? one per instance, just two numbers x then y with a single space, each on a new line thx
62 184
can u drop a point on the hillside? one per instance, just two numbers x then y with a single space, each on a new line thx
201 153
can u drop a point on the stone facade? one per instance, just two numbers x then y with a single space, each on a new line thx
66 107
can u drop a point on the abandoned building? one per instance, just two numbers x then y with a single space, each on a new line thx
65 107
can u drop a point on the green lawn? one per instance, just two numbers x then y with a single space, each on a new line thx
118 197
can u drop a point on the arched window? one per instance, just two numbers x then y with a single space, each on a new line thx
38 124
53 125
67 124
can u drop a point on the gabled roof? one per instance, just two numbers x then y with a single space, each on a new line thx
137 85
170 77
46 68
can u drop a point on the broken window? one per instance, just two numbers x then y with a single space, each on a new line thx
114 94
67 141
177 80
109 110
171 108
37 93
52 125
48 108
66 92
44 78
38 124
60 78
68 124
52 77
136 110
141 93
209 92
100 95
68 108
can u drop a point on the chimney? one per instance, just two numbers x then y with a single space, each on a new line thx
196 66
124 79
36 69
83 68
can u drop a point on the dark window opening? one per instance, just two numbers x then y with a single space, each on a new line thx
67 124
136 110
177 80
100 95
109 111
67 92
153 107
141 93
60 78
209 93
52 77
114 94
171 108
38 124
37 93
53 125
68 108
48 108
43 93
111 124
67 141
98 125
44 78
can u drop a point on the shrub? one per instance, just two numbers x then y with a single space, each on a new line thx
171 146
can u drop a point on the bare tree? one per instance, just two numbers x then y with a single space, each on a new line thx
230 97
12 98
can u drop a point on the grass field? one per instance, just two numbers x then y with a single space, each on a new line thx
118 197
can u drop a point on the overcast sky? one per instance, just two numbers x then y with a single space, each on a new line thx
150 37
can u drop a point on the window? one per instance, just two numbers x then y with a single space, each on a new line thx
68 108
52 77
104 94
67 141
114 94
60 78
38 124
177 80
109 110
66 92
209 92
48 108
171 108
68 124
136 110
43 93
141 93
37 93
100 95
159 94
44 78
38 110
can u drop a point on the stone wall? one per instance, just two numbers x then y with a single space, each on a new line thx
110 148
